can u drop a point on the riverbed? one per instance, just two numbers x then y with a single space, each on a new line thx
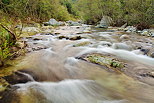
59 70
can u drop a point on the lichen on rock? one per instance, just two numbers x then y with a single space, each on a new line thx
106 60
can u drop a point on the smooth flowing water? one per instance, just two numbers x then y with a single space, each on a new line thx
59 77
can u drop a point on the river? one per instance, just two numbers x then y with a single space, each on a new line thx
57 75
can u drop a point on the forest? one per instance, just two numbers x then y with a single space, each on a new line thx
90 11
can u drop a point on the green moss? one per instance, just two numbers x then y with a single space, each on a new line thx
105 61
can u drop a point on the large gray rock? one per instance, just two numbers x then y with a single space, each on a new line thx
105 22
53 22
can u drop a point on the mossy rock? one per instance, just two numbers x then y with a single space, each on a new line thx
105 60
82 44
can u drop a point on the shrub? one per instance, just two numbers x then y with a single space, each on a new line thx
5 45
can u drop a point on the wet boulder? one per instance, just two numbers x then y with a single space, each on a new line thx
75 38
18 77
122 46
124 37
152 54
63 37
105 43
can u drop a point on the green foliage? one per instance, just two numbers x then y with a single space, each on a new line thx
91 11
122 11
5 45
70 5
38 10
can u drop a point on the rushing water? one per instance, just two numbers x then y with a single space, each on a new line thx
58 77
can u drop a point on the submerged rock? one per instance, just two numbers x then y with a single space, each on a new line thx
124 37
121 46
105 43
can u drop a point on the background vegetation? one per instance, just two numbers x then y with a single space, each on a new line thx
91 11
130 11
